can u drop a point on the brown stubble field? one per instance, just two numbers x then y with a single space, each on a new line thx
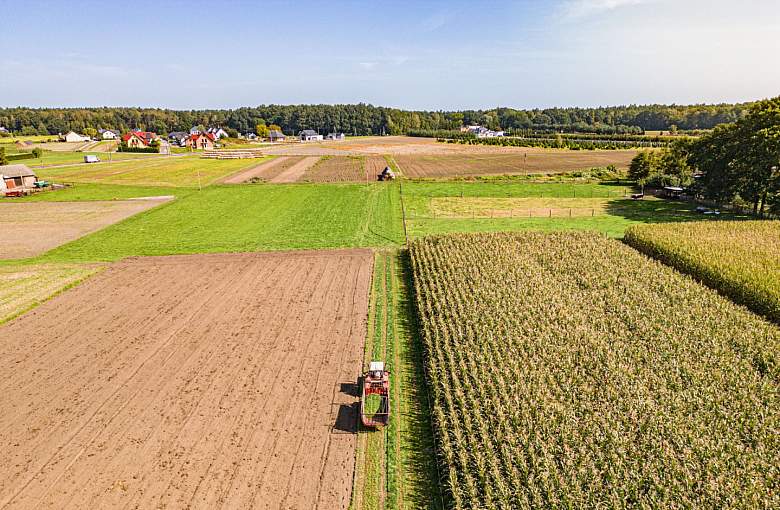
28 229
204 381
345 169
516 163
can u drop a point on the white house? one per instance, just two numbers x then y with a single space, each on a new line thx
336 136
107 134
309 135
3 129
71 136
217 132
483 132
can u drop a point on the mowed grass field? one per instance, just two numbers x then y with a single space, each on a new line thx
449 207
51 158
250 218
24 286
185 171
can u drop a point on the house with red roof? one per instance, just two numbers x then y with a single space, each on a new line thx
139 139
203 141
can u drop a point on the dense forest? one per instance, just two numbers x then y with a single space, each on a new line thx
364 119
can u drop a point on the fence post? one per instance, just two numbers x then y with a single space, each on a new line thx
550 213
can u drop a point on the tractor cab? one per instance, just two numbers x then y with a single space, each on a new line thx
386 175
375 396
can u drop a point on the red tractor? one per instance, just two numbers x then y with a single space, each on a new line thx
375 398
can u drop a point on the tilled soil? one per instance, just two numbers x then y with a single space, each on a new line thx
31 228
517 163
206 381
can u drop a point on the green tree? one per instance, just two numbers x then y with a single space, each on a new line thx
91 132
262 130
37 153
3 159
642 166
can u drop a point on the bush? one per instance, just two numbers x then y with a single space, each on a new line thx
149 150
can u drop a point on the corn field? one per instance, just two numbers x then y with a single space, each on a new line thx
569 371
739 258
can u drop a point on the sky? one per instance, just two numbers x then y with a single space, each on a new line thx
425 55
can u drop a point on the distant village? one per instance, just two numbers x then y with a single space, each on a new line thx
196 138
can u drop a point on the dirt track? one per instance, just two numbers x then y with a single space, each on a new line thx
31 228
227 384
257 171
295 172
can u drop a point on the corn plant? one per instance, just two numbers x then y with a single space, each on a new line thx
569 371
739 258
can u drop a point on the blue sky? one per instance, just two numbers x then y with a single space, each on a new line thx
418 55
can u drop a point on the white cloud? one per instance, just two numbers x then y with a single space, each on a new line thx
368 66
583 8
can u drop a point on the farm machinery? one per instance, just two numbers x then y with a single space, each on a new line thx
386 175
375 396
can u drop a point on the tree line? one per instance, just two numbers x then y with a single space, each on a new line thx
736 162
366 119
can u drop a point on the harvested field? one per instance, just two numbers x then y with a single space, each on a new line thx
260 171
28 229
295 172
24 286
222 388
405 145
345 169
529 162
336 169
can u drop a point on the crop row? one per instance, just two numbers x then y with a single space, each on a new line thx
568 370
741 259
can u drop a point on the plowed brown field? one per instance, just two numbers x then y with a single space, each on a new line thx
206 381
530 162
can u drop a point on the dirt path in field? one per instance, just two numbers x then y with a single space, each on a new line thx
222 386
295 172
256 171
28 229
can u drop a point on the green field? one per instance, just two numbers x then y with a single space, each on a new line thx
498 206
51 158
250 218
185 171
87 191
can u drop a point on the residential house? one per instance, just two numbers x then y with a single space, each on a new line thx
108 134
200 141
483 132
335 136
218 132
275 135
178 137
16 176
72 136
139 139
194 130
250 136
3 130
309 135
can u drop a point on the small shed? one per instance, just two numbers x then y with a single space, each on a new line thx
276 136
672 191
17 176
336 136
